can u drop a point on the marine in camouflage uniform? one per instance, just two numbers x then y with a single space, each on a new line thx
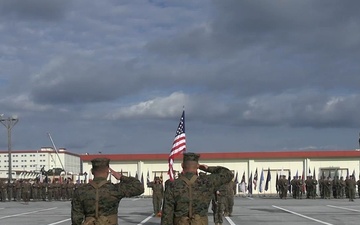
18 187
10 187
187 198
70 189
342 187
35 188
3 191
218 204
26 190
283 187
157 195
314 183
327 187
84 207
50 191
351 184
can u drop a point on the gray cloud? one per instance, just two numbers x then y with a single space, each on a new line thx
35 9
252 75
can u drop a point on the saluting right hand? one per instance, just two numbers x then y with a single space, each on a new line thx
203 167
115 174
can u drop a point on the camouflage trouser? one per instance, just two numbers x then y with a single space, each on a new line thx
18 195
43 193
35 194
157 201
283 192
26 196
50 194
229 204
3 195
351 193
10 194
218 208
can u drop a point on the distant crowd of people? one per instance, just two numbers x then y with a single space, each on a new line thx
328 187
36 190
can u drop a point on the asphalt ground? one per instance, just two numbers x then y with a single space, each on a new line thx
247 211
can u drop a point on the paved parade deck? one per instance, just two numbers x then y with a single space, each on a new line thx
247 211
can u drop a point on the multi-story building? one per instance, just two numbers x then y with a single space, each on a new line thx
28 163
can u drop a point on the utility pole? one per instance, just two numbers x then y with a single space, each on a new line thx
9 123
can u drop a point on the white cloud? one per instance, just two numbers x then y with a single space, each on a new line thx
160 107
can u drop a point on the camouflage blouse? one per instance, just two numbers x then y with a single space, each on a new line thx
83 202
177 199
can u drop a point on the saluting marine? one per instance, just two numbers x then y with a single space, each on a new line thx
187 198
98 201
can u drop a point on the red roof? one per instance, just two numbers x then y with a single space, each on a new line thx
230 155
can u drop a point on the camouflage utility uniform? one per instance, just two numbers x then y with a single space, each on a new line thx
158 194
83 205
187 198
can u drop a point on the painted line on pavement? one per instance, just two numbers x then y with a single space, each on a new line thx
338 207
250 198
145 220
60 221
20 214
301 215
230 220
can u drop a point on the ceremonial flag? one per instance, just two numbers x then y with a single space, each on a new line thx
261 180
289 181
236 178
303 183
277 182
243 177
179 145
314 176
136 175
148 177
297 174
250 184
142 178
268 179
255 179
309 171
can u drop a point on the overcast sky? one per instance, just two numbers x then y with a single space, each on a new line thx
114 76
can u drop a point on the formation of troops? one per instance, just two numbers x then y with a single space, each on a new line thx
34 190
328 187
182 201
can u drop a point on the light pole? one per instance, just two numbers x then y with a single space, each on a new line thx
9 123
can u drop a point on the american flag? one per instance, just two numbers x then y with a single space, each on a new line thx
179 144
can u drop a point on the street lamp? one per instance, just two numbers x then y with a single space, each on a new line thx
9 123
